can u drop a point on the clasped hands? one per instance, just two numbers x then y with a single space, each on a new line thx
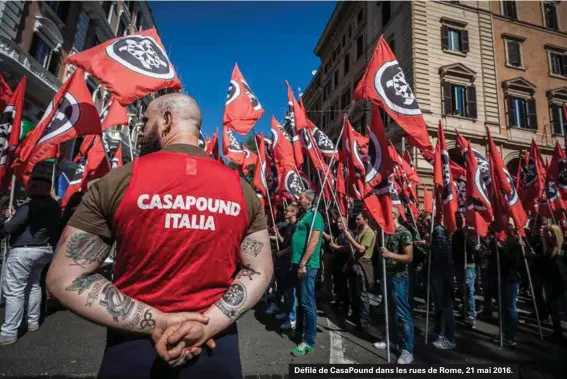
179 337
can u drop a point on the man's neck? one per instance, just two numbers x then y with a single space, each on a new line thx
181 139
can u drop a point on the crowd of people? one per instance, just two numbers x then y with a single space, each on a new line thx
462 266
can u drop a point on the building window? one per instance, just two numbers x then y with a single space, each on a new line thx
336 78
326 90
326 68
345 99
558 63
359 47
121 28
454 39
334 109
522 112
60 8
81 31
559 117
459 100
44 55
509 9
359 17
514 53
346 63
550 15
386 13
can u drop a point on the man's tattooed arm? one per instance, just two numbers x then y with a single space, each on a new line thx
73 281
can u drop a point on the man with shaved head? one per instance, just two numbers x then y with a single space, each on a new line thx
183 224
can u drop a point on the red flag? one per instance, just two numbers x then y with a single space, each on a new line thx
479 209
507 202
97 164
384 84
130 67
444 186
211 146
117 161
532 178
427 201
380 165
5 93
259 180
378 204
556 182
249 159
409 169
71 114
231 148
355 150
457 171
297 113
113 114
74 182
242 109
10 129
281 146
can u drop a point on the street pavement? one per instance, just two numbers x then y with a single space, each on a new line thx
67 346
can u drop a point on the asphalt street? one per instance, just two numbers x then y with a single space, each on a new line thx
67 346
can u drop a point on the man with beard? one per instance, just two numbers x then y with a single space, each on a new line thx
179 237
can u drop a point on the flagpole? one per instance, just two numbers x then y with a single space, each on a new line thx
500 310
385 298
429 274
531 289
268 196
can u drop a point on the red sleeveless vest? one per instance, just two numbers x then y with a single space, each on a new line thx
178 231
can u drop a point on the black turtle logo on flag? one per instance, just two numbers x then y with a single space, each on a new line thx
234 145
512 198
447 194
461 191
394 195
233 92
480 184
253 99
143 55
529 175
374 157
6 119
391 85
294 184
324 143
67 115
306 139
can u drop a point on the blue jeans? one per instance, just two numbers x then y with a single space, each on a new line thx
304 291
443 299
400 311
470 277
510 314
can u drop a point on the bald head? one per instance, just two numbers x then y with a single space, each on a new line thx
170 119
181 106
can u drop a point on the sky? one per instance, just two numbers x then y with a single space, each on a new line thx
270 41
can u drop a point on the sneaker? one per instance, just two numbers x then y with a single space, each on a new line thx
272 310
507 343
281 316
288 325
470 323
405 358
33 327
444 344
302 349
8 340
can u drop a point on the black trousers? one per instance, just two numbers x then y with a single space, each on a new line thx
128 357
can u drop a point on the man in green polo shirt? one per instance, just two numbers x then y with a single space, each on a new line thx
305 259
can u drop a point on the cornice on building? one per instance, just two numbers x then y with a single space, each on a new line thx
329 28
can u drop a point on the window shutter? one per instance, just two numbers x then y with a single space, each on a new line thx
511 120
564 65
447 99
531 113
471 102
465 41
514 53
555 109
444 37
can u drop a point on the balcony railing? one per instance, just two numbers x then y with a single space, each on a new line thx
15 52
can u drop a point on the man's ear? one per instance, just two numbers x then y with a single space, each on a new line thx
167 124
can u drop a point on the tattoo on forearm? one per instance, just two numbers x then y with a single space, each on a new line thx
83 283
148 321
251 247
93 295
247 271
85 248
232 302
135 321
118 304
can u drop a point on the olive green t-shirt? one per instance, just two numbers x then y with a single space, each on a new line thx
366 238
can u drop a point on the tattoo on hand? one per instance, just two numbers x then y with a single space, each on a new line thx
232 302
247 271
85 248
116 303
251 247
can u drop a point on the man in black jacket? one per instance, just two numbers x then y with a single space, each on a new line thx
34 231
